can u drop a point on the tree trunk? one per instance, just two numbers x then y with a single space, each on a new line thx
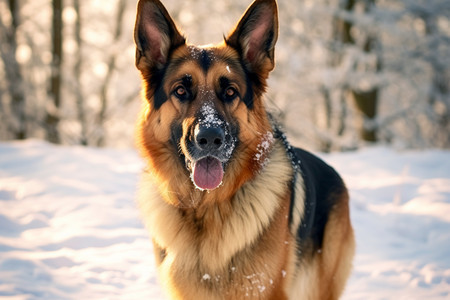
326 144
17 123
77 73
439 92
53 115
366 102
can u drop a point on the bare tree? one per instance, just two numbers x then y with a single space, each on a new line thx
53 108
16 123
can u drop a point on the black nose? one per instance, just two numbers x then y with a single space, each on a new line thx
209 138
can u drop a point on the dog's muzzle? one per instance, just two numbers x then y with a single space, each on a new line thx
210 147
207 170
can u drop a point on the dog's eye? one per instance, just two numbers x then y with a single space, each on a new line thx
230 93
181 93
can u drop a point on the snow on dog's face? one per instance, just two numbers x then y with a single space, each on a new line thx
204 115
206 132
209 148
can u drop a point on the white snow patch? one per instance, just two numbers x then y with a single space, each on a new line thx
209 116
206 277
263 149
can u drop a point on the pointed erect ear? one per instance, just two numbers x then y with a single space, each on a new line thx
256 34
155 34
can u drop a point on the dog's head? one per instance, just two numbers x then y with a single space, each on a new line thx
204 115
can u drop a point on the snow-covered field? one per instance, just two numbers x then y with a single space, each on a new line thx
69 228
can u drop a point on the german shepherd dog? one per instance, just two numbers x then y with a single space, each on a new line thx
234 211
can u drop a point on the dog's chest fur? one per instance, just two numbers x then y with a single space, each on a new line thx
224 245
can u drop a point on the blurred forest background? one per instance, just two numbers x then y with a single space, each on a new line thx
348 72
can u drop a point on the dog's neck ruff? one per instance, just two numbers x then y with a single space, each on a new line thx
230 226
280 135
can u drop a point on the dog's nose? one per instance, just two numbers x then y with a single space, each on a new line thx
209 138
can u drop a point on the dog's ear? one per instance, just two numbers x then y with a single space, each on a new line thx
256 34
155 34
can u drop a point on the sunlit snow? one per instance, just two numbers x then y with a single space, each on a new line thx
69 228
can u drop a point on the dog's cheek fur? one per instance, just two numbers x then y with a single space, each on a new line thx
154 140
253 124
176 140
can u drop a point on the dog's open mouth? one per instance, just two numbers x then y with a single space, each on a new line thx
207 173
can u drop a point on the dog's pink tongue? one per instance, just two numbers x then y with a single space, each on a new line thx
208 173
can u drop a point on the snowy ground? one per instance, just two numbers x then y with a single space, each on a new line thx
69 228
